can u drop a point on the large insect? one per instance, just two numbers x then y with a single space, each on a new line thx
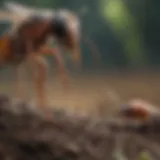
28 41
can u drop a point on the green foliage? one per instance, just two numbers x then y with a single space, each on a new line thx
126 29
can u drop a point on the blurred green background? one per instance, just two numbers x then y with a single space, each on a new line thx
126 32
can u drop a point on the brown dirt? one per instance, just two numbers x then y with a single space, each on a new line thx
88 90
25 134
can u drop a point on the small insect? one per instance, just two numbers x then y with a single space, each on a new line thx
139 110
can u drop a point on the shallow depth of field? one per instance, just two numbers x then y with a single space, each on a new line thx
120 61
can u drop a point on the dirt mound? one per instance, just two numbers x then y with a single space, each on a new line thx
24 134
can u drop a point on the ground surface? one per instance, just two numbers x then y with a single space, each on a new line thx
86 90
69 136
26 134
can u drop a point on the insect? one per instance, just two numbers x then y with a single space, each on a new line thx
29 41
139 110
